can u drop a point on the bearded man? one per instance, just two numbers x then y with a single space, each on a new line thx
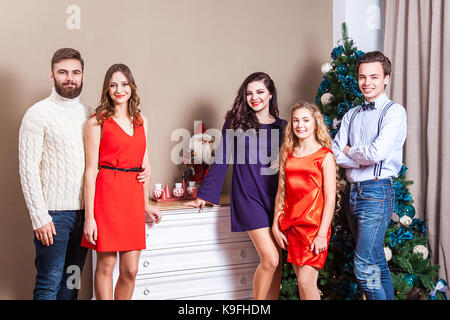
51 167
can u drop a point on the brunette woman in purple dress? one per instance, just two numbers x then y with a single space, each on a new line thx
251 138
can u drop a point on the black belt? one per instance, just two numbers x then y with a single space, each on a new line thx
123 169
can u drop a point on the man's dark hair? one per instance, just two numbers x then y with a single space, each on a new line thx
67 53
376 56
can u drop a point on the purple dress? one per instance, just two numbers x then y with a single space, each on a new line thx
254 184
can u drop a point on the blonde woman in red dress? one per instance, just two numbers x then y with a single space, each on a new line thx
305 201
115 202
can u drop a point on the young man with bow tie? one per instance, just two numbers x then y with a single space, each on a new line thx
369 145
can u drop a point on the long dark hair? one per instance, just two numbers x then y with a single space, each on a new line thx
106 108
241 116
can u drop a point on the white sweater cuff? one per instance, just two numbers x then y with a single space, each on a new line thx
40 220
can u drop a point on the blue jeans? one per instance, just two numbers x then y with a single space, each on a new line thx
59 265
370 205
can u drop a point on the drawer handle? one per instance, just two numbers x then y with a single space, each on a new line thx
243 253
243 280
146 292
146 264
147 235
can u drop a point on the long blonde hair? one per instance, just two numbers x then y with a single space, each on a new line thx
291 141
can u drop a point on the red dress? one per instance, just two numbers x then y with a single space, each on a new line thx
119 207
304 201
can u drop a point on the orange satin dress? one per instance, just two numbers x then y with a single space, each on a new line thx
304 202
119 206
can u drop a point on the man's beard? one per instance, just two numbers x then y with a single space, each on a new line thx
68 93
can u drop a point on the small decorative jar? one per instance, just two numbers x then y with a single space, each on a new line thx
191 189
157 192
178 191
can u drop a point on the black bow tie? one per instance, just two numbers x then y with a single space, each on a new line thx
368 106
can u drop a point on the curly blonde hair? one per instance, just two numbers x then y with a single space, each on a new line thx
291 141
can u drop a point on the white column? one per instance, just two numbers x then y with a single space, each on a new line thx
364 22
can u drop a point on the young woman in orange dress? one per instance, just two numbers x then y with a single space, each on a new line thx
305 200
116 203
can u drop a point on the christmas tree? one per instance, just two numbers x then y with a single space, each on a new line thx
406 241
406 248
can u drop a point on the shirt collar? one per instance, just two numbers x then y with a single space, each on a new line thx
380 101
65 102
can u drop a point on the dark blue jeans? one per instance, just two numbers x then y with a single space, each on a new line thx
370 205
59 266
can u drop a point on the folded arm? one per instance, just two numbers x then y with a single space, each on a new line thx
340 142
392 130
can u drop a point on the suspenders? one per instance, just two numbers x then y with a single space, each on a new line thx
378 166
358 109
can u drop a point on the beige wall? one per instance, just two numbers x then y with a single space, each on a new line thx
188 58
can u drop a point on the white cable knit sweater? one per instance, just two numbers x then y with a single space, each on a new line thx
51 157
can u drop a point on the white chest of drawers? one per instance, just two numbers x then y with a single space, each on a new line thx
194 255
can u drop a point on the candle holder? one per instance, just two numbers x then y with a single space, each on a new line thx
179 192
